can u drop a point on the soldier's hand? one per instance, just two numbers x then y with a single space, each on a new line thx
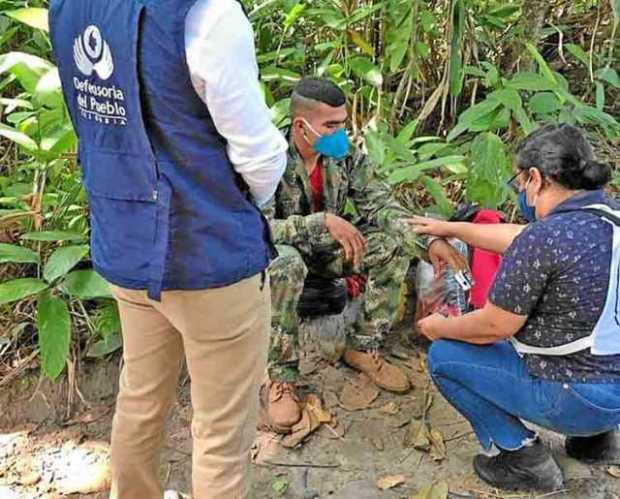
441 252
351 239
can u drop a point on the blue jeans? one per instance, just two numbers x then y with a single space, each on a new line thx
492 388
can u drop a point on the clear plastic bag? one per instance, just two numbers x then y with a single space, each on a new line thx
440 294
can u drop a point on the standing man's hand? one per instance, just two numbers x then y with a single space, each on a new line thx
441 252
351 239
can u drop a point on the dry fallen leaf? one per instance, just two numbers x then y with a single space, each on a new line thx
614 471
266 447
314 404
308 423
422 405
390 481
358 393
438 445
436 491
331 399
391 408
418 436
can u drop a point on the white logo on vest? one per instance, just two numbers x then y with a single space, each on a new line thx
103 104
90 47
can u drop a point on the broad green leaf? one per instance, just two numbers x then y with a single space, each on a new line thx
54 323
615 4
18 137
509 97
427 19
609 75
53 235
479 110
404 136
293 15
32 16
272 73
375 147
526 123
505 11
364 68
333 18
86 284
60 139
474 71
18 289
361 42
578 53
437 192
544 103
422 49
530 81
105 346
485 123
427 151
600 96
412 173
63 260
588 115
27 68
48 90
542 64
17 254
490 168
280 114
457 130
106 319
398 51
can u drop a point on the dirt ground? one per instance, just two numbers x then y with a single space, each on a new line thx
51 456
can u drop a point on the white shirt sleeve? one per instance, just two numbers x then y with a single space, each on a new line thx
219 45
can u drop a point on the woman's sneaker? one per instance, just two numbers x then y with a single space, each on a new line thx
598 449
529 468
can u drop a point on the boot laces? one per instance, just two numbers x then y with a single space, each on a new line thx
376 359
282 389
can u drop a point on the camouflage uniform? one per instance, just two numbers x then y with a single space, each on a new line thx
306 246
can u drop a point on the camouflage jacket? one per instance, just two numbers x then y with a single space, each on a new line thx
294 222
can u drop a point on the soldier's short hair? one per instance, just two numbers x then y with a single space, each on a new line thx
310 91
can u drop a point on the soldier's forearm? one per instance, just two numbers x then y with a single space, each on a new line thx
298 229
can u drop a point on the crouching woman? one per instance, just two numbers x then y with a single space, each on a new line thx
545 347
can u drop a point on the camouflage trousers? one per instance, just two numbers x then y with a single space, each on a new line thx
385 264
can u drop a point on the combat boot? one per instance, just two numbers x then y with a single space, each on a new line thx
280 406
529 468
598 449
383 374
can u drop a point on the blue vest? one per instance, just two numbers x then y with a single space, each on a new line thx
167 209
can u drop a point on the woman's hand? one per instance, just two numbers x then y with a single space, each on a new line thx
432 325
431 226
441 252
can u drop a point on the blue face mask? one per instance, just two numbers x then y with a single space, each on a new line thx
335 145
528 212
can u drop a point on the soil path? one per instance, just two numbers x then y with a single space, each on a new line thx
47 460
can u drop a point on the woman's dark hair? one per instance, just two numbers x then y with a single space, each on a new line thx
562 153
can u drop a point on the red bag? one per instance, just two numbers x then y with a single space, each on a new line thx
484 264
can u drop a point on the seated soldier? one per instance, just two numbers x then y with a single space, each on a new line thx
314 238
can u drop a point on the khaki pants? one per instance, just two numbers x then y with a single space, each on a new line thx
224 335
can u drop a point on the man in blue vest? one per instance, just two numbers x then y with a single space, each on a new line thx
177 150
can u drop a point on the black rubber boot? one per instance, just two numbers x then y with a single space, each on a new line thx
322 297
529 468
598 449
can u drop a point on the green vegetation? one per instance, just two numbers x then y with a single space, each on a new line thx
439 92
